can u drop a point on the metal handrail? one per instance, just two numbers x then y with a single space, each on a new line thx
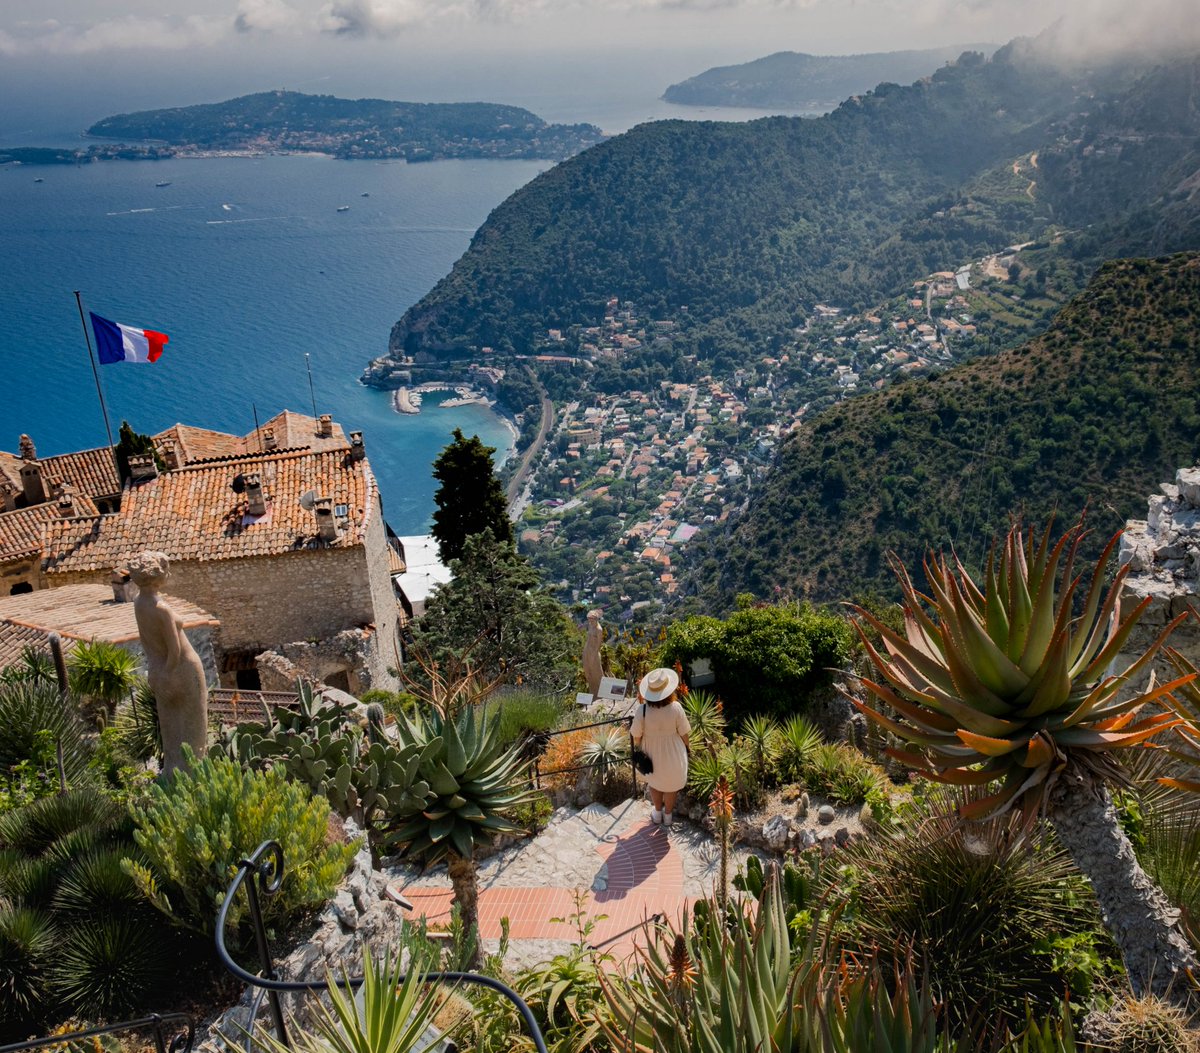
270 877
537 767
181 1043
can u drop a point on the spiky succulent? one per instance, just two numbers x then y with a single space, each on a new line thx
1007 682
474 783
1186 703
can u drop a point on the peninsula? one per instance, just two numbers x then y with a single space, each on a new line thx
288 121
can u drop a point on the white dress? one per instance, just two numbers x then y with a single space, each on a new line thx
659 729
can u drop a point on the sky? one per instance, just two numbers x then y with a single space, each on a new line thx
75 61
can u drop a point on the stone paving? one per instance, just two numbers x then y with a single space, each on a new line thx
614 865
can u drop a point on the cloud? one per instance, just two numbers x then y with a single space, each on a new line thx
265 16
52 37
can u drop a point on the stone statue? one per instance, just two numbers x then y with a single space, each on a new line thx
174 670
593 672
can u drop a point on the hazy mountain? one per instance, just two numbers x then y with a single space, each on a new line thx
792 80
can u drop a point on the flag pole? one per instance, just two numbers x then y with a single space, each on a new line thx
99 389
311 392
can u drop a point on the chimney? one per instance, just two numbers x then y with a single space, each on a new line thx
28 451
357 450
31 477
327 529
8 496
169 452
269 440
66 500
325 426
142 467
120 584
256 500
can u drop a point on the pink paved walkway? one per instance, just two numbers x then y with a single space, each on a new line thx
645 877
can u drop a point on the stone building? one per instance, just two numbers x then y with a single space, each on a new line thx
279 533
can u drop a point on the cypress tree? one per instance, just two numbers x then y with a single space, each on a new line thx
470 498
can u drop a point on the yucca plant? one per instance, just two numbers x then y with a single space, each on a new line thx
103 674
473 782
706 719
605 751
798 737
33 667
29 710
1007 683
762 735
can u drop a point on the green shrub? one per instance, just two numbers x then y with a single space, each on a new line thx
842 774
396 704
102 674
195 828
979 908
522 712
767 658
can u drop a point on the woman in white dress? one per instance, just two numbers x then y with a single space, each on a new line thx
661 729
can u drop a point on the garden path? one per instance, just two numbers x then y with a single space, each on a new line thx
618 866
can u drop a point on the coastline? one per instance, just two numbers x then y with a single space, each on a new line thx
408 400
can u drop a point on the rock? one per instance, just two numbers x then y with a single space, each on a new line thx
1188 481
841 836
826 814
345 909
775 831
807 839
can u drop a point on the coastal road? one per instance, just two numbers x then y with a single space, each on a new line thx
517 483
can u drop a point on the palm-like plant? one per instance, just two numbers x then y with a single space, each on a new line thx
605 752
474 784
102 673
1006 683
706 719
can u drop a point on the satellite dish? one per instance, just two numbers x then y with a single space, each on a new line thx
239 484
308 500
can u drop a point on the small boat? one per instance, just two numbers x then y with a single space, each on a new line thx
343 208
365 194
167 183
39 180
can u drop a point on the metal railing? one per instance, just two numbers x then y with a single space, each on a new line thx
538 772
267 876
180 1042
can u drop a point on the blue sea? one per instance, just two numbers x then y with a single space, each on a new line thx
248 266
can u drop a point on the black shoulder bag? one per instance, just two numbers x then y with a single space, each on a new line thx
641 759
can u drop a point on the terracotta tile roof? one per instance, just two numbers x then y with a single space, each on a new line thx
77 612
10 469
293 431
202 444
21 530
92 472
193 513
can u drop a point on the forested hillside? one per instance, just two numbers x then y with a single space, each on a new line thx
1093 414
794 80
746 226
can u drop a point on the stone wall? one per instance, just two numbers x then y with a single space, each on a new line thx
385 657
20 572
1163 553
265 601
349 660
201 639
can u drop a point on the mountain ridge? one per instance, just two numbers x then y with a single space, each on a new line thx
796 80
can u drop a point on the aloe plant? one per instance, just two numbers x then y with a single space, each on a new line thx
473 783
1186 703
1007 683
393 1014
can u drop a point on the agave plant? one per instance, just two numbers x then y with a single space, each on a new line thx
474 783
605 752
1006 683
706 719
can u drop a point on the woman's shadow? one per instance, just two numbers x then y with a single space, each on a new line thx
633 860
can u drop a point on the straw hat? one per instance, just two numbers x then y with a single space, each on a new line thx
658 684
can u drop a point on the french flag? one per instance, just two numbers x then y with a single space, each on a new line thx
125 343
